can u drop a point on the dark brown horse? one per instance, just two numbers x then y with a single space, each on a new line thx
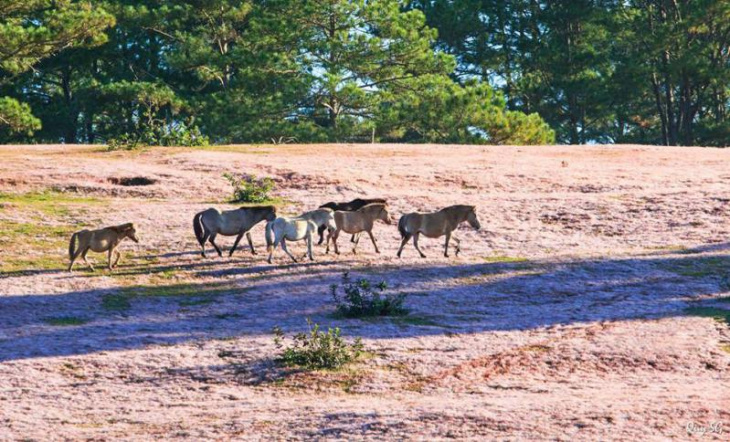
356 204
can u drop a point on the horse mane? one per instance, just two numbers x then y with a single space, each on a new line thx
367 206
330 205
369 200
262 207
348 206
121 228
458 207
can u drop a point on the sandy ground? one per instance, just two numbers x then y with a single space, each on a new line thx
569 316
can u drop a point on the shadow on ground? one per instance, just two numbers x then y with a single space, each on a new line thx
444 299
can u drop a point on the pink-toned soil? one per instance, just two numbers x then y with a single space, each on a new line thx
568 316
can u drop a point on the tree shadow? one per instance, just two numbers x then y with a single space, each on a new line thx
443 299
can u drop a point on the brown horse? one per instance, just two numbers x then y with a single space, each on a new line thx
350 206
212 222
101 240
361 220
433 225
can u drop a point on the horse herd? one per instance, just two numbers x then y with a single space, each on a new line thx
353 217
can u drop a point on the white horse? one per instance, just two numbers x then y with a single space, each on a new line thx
293 229
323 218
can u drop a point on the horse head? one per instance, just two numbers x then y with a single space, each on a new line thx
271 215
471 218
384 215
130 232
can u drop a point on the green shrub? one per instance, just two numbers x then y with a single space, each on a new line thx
166 135
317 350
248 188
124 142
363 298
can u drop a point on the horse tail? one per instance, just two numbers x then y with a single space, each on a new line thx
72 245
269 235
198 227
402 226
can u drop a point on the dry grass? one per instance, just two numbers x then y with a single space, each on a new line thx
593 289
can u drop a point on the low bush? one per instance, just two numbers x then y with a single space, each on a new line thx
168 135
317 350
248 188
362 298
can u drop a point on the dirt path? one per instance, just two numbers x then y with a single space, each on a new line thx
584 309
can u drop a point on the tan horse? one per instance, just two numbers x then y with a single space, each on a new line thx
434 225
292 229
102 240
361 220
212 222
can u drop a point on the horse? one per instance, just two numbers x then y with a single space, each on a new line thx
212 222
293 229
351 206
361 220
434 225
101 240
324 218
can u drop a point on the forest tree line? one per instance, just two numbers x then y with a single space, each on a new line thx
442 71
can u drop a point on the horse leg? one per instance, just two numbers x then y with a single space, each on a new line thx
212 241
250 243
83 256
446 245
235 244
403 243
273 248
356 238
458 245
320 231
334 241
118 255
329 236
206 235
309 245
372 238
74 257
415 243
283 246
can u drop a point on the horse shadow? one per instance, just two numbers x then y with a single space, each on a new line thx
442 299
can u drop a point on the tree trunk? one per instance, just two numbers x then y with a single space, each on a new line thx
69 131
